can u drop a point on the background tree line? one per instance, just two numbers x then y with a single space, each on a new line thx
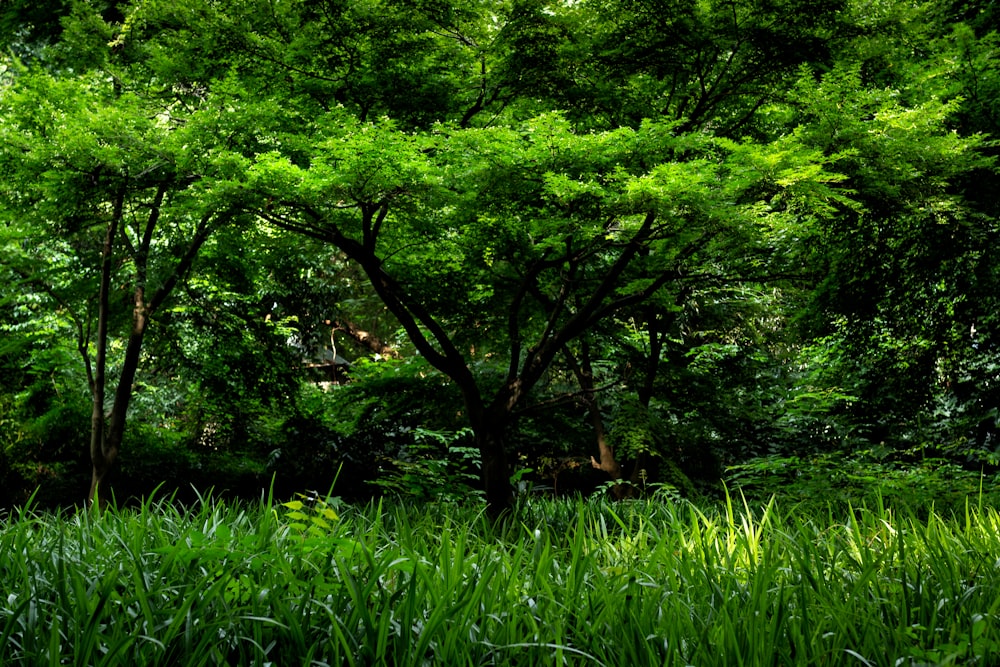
451 248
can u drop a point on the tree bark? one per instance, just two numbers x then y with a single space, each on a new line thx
98 381
606 461
364 339
114 431
496 469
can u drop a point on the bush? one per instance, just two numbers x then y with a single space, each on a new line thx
864 476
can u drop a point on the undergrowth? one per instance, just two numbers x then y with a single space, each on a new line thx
312 582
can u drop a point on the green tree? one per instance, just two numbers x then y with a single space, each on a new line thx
107 205
523 239
904 267
515 239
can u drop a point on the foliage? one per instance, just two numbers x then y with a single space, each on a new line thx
911 480
396 584
437 466
381 225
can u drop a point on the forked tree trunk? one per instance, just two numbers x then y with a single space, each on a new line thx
98 381
108 429
105 443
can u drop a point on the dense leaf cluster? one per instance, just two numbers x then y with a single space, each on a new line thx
539 243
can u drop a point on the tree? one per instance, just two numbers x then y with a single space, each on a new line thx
519 240
106 199
515 239
902 264
506 229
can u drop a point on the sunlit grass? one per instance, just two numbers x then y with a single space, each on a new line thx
576 583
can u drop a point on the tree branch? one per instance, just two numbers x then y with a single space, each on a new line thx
563 399
208 223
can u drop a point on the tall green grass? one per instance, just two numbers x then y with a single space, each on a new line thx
562 583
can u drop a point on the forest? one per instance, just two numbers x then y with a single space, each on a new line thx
476 249
500 332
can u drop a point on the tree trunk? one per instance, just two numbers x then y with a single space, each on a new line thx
364 339
496 470
109 439
98 381
607 461
108 430
584 372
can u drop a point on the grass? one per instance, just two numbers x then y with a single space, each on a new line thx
565 583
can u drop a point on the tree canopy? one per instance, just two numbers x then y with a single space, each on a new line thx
697 231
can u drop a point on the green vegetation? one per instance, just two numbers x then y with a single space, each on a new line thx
464 249
470 258
317 582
